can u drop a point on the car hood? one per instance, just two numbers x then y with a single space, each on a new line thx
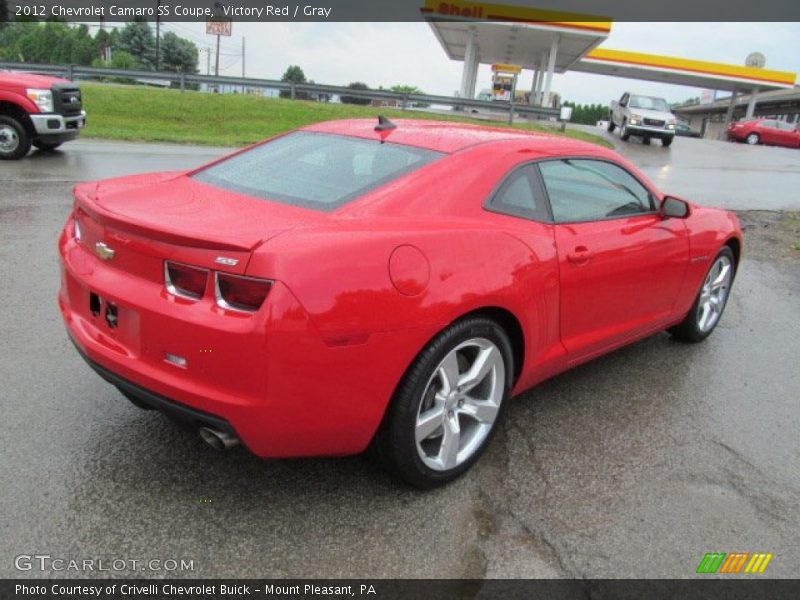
175 208
30 80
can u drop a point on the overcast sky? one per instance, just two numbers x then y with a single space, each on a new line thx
408 53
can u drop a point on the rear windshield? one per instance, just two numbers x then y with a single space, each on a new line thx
314 170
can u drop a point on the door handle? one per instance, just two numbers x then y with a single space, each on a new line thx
579 256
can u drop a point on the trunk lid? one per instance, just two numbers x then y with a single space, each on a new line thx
147 219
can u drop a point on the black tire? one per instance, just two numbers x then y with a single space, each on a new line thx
46 146
667 141
753 139
135 401
624 133
14 137
689 329
395 444
611 126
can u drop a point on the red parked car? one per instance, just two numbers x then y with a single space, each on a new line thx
765 131
347 285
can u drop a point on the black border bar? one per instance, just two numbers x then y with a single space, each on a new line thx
402 10
732 588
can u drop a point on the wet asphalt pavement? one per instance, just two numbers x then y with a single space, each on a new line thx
634 465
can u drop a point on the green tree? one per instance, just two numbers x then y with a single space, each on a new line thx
84 46
293 74
103 42
410 89
406 89
356 85
123 60
119 60
137 39
9 35
587 114
177 54
40 43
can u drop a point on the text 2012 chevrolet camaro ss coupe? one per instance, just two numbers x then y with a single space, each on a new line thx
348 284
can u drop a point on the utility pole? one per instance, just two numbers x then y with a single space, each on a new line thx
243 75
216 67
106 49
158 35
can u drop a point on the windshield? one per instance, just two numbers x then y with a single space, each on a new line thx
314 170
648 102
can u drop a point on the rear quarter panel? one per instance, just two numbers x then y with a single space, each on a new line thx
340 274
366 332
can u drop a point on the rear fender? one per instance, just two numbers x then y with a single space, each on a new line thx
341 277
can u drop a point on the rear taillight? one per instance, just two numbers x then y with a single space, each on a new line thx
185 281
244 294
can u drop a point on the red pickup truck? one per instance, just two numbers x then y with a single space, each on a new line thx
37 110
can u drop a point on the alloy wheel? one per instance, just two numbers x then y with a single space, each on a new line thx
714 293
460 404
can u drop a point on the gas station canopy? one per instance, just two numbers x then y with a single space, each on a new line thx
551 42
682 71
518 43
546 41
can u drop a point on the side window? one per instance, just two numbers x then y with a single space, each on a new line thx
520 195
770 124
589 190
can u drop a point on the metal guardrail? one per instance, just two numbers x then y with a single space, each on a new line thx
295 89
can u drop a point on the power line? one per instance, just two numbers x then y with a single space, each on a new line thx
230 64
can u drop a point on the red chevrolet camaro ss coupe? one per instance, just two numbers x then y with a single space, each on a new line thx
352 285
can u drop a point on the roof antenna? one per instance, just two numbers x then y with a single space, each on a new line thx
384 124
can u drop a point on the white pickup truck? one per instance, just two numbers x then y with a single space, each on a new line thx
643 116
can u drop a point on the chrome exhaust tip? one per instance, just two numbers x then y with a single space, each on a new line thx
218 440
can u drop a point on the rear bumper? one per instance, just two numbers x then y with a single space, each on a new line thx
270 377
190 416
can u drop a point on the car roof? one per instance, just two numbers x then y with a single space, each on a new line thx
449 137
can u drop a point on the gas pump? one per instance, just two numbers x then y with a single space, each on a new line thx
504 81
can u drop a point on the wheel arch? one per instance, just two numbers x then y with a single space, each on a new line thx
736 247
20 114
510 324
506 319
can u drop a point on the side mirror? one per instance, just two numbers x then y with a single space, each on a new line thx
674 208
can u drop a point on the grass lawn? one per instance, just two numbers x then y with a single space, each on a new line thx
137 113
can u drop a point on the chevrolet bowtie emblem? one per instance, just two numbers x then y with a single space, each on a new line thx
104 251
